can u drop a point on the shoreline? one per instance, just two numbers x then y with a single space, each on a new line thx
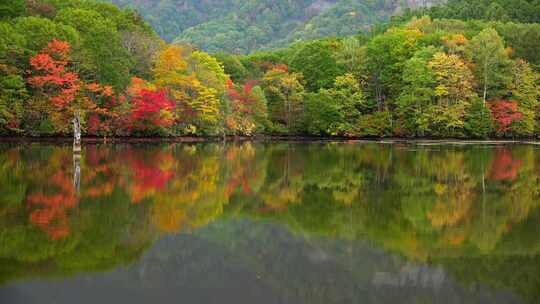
262 138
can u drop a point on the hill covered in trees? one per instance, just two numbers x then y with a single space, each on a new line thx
524 11
243 26
420 77
435 78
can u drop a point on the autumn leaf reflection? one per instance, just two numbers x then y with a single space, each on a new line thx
50 205
504 166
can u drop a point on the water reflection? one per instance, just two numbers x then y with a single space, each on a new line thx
299 223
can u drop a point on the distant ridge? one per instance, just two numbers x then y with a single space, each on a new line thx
240 26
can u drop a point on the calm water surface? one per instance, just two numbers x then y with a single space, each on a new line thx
270 223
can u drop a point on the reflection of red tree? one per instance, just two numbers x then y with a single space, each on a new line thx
241 173
102 173
235 181
51 215
504 167
150 175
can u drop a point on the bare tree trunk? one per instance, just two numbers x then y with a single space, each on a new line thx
289 116
77 172
77 133
288 110
485 82
380 102
485 91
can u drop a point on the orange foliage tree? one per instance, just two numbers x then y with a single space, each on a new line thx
103 109
240 119
53 82
66 94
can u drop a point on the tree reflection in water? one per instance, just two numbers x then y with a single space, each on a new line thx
469 211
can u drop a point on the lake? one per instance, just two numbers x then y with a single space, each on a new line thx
255 222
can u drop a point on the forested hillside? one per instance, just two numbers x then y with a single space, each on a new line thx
424 78
59 58
524 11
169 18
420 77
242 26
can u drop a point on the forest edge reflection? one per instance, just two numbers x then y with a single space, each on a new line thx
471 209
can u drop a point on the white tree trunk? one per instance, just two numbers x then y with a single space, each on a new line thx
77 172
485 79
485 88
77 133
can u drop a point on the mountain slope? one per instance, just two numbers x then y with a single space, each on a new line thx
170 17
522 11
241 26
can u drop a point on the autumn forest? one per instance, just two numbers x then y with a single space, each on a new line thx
420 74
269 151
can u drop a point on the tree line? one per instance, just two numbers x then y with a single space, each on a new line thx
419 77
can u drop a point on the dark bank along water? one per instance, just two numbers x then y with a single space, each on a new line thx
270 223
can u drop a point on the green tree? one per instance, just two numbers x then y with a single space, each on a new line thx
386 55
38 32
321 113
317 63
232 65
208 70
284 93
102 56
453 94
142 47
418 93
351 103
479 121
525 90
496 12
12 44
335 111
12 97
12 8
491 62
351 55
13 92
522 39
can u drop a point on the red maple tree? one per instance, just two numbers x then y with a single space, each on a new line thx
505 113
242 98
151 109
51 77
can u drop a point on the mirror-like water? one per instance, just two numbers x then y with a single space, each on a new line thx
270 223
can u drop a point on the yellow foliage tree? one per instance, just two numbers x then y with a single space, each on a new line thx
196 81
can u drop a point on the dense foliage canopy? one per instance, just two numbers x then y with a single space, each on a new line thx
524 11
419 77
240 26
